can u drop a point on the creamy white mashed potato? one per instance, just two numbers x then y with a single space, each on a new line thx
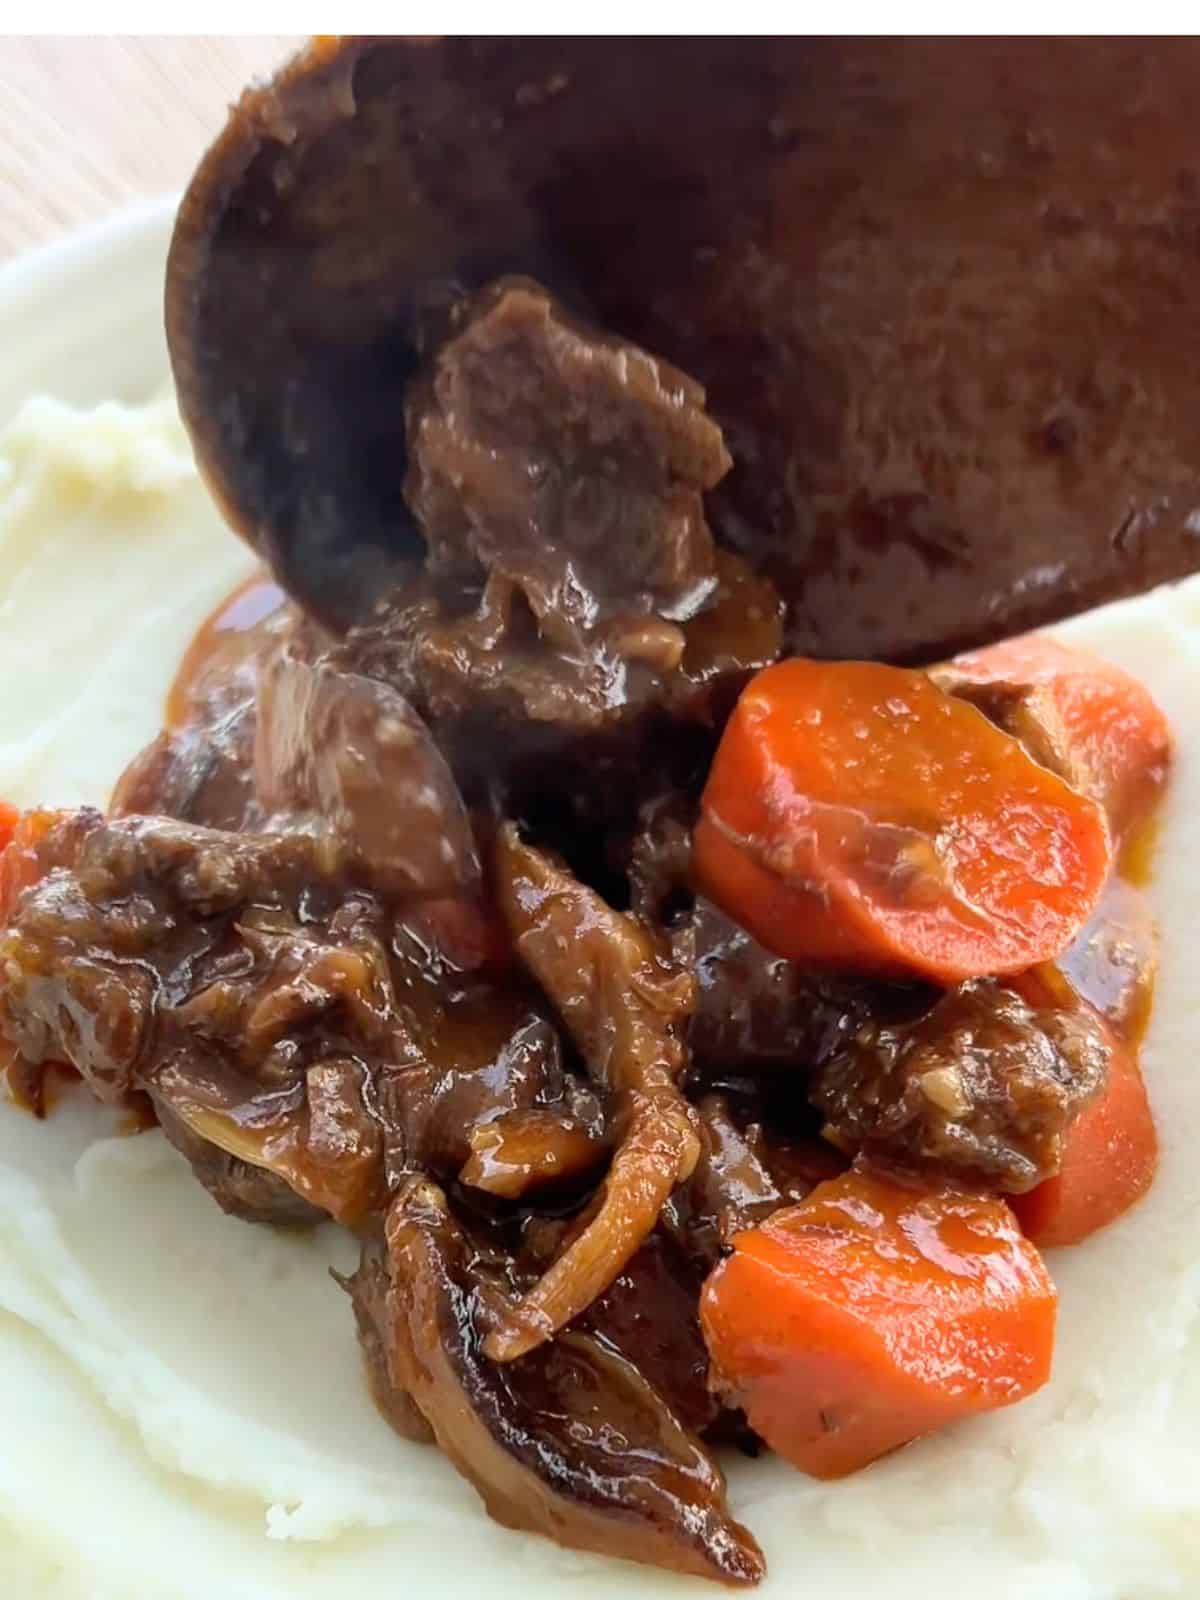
182 1413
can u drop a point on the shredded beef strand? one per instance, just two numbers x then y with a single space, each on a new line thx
983 1085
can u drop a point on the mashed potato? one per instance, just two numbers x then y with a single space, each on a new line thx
183 1410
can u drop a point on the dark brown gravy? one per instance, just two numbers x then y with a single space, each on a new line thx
251 603
1138 850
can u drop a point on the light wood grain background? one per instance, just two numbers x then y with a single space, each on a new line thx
88 125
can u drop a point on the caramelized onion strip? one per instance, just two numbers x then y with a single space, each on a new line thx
623 1001
658 1150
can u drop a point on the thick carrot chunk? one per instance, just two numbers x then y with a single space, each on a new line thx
858 817
1079 715
1109 1160
9 817
873 1313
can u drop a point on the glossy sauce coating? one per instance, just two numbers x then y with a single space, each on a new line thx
232 631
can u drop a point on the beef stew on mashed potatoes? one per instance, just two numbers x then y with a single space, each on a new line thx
700 1029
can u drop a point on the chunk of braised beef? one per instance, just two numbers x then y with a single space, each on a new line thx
658 859
757 1010
347 758
731 1188
571 1441
569 463
649 1314
240 1188
289 1021
984 1085
161 957
197 773
273 731
738 632
80 956
571 587
465 1058
484 652
315 1129
510 706
747 1169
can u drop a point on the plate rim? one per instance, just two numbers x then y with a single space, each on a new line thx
29 271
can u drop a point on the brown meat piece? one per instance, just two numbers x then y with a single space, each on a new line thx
486 653
746 1171
983 1085
197 773
570 1442
624 1001
572 591
268 730
502 696
658 862
315 1131
756 1010
279 1018
158 956
348 758
240 1188
731 1188
569 463
78 985
649 1314
467 1056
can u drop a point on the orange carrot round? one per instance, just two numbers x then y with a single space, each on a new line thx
1081 716
1109 1161
19 864
9 817
873 1313
856 816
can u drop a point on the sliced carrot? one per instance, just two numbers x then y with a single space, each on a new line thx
1081 716
9 817
857 817
1110 1153
1109 1161
19 863
873 1313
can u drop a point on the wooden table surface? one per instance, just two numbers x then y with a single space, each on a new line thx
88 125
